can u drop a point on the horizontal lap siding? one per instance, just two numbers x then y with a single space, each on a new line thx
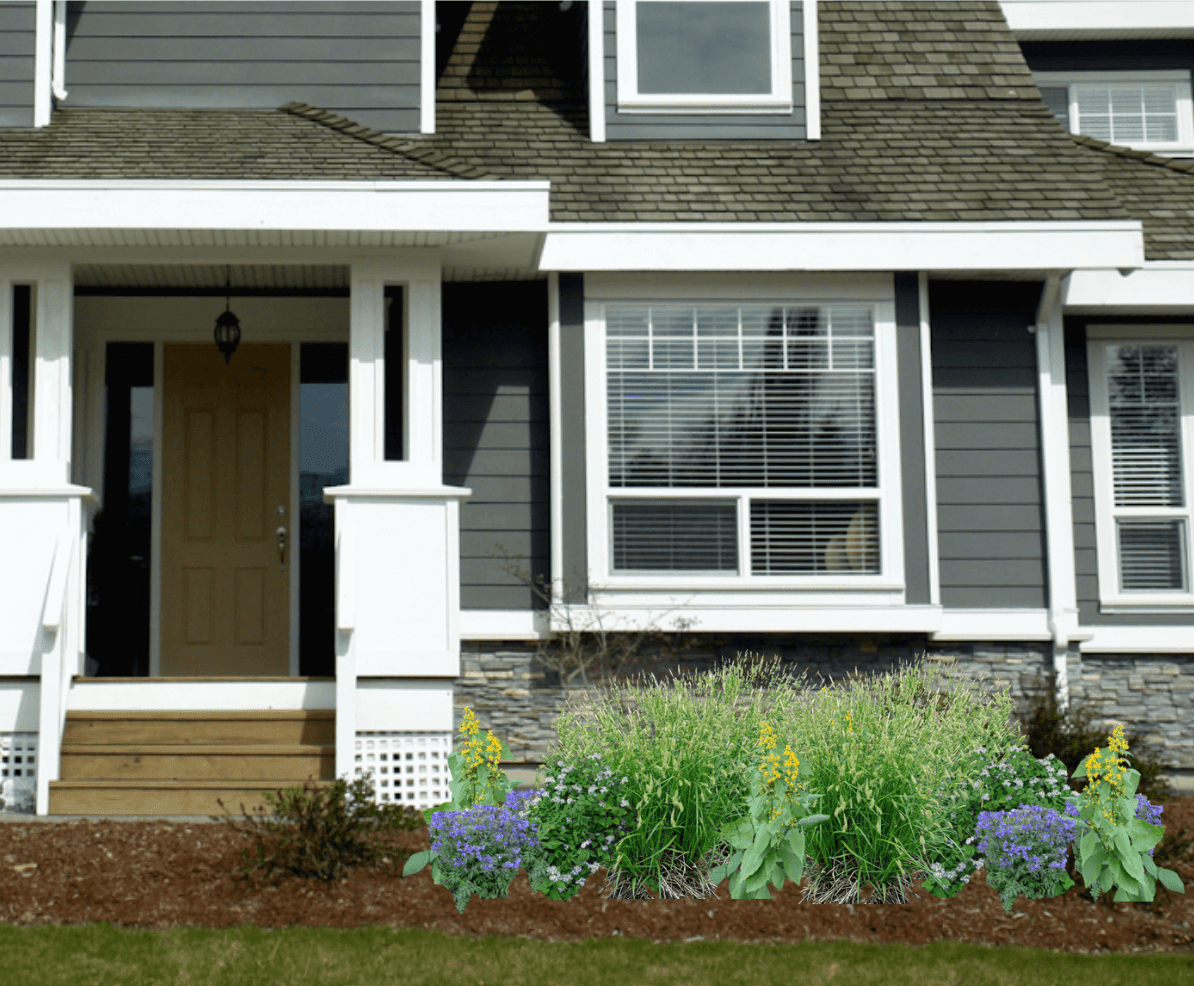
703 126
1086 557
357 59
17 50
496 436
989 503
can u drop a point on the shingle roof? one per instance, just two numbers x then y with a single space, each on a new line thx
200 144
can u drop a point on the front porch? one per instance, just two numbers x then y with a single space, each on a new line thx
82 733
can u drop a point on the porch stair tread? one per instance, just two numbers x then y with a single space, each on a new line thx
185 785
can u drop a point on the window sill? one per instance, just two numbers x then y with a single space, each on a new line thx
756 584
778 108
1185 605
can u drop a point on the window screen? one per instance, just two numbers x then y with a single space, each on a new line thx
1143 398
706 48
1128 113
743 398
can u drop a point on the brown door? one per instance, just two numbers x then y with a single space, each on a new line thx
226 491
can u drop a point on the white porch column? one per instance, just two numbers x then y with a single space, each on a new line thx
41 514
397 525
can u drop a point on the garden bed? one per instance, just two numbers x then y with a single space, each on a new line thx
163 875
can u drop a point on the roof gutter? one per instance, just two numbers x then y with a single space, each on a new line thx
991 246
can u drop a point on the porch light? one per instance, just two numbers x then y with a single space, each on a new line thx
227 331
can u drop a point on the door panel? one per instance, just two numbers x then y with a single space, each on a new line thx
226 473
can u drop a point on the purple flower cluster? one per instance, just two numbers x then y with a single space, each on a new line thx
1146 811
1031 836
493 836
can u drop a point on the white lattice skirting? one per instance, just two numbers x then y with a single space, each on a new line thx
408 768
18 771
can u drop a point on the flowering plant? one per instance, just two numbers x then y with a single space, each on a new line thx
1015 780
577 819
476 779
1114 850
768 846
479 849
1026 851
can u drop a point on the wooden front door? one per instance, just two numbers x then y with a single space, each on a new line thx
226 491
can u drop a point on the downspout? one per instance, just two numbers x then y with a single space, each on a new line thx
1055 475
58 77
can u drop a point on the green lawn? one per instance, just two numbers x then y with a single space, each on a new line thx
100 954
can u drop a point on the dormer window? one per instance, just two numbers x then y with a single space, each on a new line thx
1147 111
717 56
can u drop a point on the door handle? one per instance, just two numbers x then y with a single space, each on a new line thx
280 533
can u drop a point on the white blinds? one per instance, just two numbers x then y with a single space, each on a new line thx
1127 113
741 396
1143 398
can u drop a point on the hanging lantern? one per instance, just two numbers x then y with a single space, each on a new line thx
227 331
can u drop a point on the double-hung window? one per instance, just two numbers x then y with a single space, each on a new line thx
704 56
1148 111
1142 445
744 444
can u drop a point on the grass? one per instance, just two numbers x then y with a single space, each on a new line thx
100 955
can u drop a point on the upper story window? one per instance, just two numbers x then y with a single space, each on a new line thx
704 55
1147 111
745 445
1142 445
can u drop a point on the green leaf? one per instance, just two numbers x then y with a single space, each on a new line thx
1131 863
1081 771
417 862
1170 880
1091 868
812 820
1122 877
1089 845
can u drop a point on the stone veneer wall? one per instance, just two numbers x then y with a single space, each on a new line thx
513 695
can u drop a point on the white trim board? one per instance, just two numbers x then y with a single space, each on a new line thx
812 71
1046 19
596 11
148 694
427 29
503 624
264 206
1167 286
1139 640
841 246
993 625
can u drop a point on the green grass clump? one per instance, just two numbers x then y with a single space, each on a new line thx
100 955
317 832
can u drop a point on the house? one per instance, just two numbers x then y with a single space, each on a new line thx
845 330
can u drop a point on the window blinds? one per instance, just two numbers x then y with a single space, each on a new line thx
1146 460
750 396
1127 113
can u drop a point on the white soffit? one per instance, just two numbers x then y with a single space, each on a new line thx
265 213
1056 20
842 246
1157 288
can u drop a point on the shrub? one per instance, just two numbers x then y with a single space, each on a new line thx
318 832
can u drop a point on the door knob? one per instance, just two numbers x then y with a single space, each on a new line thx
281 535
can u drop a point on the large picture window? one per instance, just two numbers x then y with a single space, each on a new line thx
742 440
725 55
1142 426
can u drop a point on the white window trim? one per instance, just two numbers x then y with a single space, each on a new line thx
1182 147
779 100
1111 598
746 590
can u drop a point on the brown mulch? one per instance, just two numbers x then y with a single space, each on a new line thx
159 874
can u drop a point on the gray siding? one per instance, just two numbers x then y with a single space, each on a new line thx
17 34
1086 561
496 436
357 59
669 126
572 427
912 438
989 502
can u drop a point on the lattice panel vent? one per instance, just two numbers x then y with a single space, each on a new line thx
408 768
18 771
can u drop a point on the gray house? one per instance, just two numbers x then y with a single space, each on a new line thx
349 351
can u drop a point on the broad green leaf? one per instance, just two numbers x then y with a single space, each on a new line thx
417 862
1122 877
754 855
813 820
1089 845
1170 879
1131 863
1092 871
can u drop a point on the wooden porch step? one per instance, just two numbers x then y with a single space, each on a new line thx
154 797
229 762
200 728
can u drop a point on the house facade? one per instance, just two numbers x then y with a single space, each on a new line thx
838 331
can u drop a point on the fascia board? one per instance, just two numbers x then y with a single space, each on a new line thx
389 206
1155 285
842 246
1030 19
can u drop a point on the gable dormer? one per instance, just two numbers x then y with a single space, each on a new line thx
704 70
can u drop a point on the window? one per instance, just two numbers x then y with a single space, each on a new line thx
1142 431
743 442
1148 111
734 55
